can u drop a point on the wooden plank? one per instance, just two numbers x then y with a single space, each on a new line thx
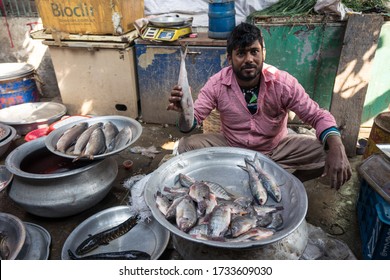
353 75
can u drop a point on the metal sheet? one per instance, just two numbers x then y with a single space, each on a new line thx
120 121
29 116
167 21
149 237
221 165
385 148
37 244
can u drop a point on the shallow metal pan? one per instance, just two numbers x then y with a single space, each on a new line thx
149 237
221 165
120 121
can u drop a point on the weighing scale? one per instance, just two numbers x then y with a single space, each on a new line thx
167 29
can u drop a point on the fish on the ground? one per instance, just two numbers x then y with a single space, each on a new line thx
70 136
82 140
187 102
104 237
122 255
110 131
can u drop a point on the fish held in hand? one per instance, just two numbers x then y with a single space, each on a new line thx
187 102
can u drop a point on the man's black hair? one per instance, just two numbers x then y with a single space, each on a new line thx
243 35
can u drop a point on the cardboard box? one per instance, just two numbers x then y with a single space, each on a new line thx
90 16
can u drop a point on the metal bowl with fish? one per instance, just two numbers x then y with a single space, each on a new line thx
94 138
224 166
12 236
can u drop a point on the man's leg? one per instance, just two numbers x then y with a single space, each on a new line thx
198 141
302 153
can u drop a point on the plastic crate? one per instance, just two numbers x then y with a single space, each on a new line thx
374 223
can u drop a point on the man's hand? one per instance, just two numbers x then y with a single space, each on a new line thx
337 166
174 99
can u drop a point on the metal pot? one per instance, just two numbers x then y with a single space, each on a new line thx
58 191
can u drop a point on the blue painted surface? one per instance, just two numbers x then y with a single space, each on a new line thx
18 91
222 19
158 72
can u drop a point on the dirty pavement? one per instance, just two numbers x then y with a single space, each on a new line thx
330 211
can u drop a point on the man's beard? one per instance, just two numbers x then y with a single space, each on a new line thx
239 72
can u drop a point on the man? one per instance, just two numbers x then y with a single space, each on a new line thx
253 99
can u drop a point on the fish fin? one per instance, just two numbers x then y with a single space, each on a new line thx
71 255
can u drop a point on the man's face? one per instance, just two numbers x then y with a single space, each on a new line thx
247 63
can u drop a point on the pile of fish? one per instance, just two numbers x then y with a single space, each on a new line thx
104 238
206 210
86 141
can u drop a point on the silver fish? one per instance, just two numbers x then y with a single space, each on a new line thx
186 214
171 211
82 140
257 189
242 224
95 146
218 190
200 192
162 203
277 222
122 138
70 136
187 102
110 131
269 182
185 180
253 234
219 221
199 230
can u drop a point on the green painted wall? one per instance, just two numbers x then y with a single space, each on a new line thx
310 52
378 92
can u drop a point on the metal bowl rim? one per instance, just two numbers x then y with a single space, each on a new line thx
21 228
230 245
38 121
92 120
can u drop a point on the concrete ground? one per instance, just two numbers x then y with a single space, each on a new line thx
333 211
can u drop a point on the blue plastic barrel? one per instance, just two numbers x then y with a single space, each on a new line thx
222 18
17 84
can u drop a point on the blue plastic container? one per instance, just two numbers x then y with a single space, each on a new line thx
17 84
373 207
222 18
